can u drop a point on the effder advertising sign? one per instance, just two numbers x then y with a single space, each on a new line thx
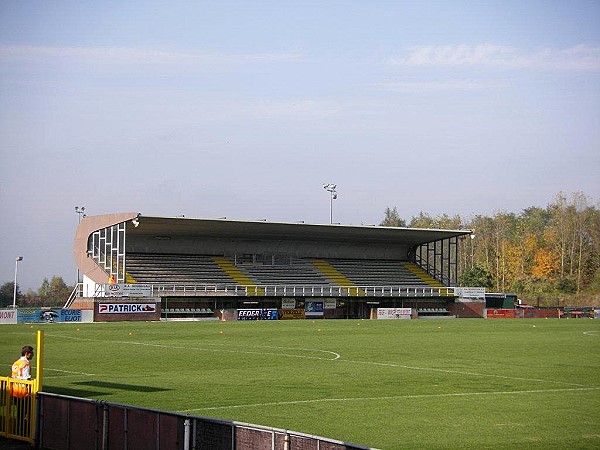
126 308
257 314
127 290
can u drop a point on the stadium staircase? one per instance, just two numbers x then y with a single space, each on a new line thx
424 276
238 276
338 278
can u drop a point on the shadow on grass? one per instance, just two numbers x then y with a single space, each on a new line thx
82 393
90 393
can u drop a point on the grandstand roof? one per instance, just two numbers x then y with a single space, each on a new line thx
224 228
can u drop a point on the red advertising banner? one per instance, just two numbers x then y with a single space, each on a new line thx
501 313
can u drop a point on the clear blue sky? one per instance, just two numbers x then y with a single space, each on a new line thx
244 109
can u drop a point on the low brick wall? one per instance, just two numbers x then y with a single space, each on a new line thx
468 310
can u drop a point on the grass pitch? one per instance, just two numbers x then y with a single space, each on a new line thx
418 384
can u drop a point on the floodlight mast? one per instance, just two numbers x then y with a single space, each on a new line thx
80 211
17 259
330 187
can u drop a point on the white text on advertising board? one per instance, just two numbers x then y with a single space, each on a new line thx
126 308
394 313
128 290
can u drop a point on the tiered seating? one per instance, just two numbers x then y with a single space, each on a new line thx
376 272
180 269
156 268
297 273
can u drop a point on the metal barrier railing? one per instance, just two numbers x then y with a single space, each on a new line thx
235 290
17 408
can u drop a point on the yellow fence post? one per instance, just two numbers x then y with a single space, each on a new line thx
39 364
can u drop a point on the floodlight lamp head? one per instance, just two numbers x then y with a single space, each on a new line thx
135 222
19 258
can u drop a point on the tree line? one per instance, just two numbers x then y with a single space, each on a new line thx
51 293
545 255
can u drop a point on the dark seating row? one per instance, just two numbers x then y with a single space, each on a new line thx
203 270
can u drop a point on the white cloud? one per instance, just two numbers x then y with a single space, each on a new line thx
580 57
108 55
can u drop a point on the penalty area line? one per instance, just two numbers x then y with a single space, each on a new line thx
391 397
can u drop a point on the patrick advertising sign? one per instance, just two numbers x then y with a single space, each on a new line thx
126 308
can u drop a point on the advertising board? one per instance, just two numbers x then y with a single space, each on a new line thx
126 308
469 292
8 315
257 314
501 313
290 314
313 309
394 313
127 290
329 304
288 303
54 315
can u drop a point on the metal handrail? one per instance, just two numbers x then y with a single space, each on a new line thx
161 289
76 293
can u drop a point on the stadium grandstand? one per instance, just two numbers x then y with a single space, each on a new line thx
203 268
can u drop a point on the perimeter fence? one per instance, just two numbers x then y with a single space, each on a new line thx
70 423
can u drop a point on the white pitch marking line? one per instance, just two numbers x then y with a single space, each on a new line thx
146 344
70 372
392 397
591 333
458 372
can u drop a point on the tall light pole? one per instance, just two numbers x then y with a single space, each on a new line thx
19 258
331 189
472 249
80 211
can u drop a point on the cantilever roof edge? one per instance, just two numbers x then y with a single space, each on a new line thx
260 229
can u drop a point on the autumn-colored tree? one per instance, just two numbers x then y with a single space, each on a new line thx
540 252
546 264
